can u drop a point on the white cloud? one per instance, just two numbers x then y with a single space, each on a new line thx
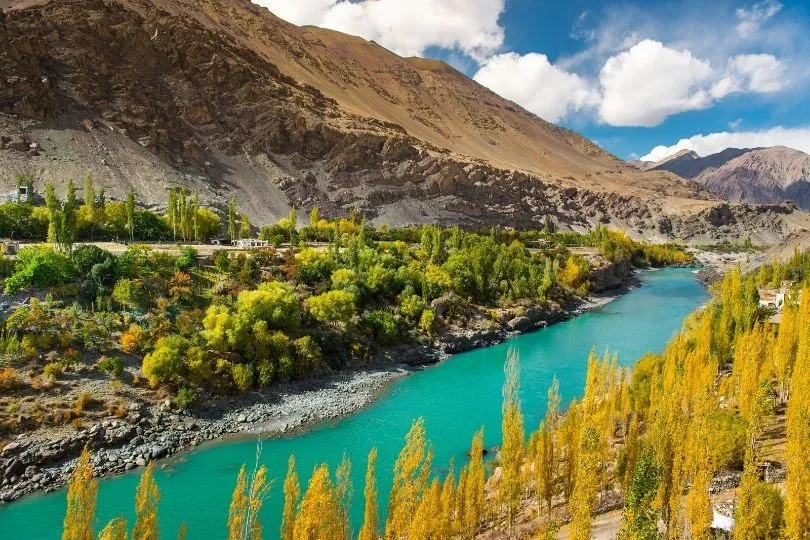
757 73
734 124
650 82
536 84
751 19
798 138
406 27
762 73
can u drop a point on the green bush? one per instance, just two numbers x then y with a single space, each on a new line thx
111 366
39 266
383 325
185 397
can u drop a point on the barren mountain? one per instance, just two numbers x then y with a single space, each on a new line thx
757 175
225 98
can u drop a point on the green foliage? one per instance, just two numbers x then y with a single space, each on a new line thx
112 366
640 517
427 322
242 376
412 306
39 266
383 325
22 221
185 397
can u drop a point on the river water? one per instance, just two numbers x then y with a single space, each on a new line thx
455 398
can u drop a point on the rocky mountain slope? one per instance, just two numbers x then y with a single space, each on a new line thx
755 175
225 98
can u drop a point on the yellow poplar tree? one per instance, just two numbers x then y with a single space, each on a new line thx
797 504
319 511
411 473
147 497
237 515
81 500
471 497
512 448
292 490
370 513
116 529
426 520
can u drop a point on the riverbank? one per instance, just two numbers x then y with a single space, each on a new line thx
41 461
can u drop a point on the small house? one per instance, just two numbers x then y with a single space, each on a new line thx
251 243
20 194
772 298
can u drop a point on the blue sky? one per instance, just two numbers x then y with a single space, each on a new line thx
642 79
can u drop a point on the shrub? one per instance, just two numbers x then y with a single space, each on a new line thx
111 366
185 397
242 376
308 356
187 259
39 267
313 266
412 306
343 278
133 340
332 306
53 370
84 401
427 322
165 364
383 325
10 379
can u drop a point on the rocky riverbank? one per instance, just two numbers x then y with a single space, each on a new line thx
39 461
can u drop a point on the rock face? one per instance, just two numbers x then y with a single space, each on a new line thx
758 175
225 98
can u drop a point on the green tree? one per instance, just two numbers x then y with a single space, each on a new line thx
640 517
130 212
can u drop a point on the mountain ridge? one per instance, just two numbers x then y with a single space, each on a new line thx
225 98
755 175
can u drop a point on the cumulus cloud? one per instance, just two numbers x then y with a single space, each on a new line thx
798 138
650 82
751 19
536 84
407 28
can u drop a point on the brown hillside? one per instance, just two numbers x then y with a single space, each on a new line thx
224 97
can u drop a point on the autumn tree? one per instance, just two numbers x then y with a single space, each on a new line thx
116 529
292 490
512 448
147 497
81 500
319 513
370 513
411 474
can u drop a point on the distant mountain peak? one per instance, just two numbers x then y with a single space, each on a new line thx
754 175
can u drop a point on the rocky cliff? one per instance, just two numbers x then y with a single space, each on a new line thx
225 98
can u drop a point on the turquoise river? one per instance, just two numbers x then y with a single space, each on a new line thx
455 398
